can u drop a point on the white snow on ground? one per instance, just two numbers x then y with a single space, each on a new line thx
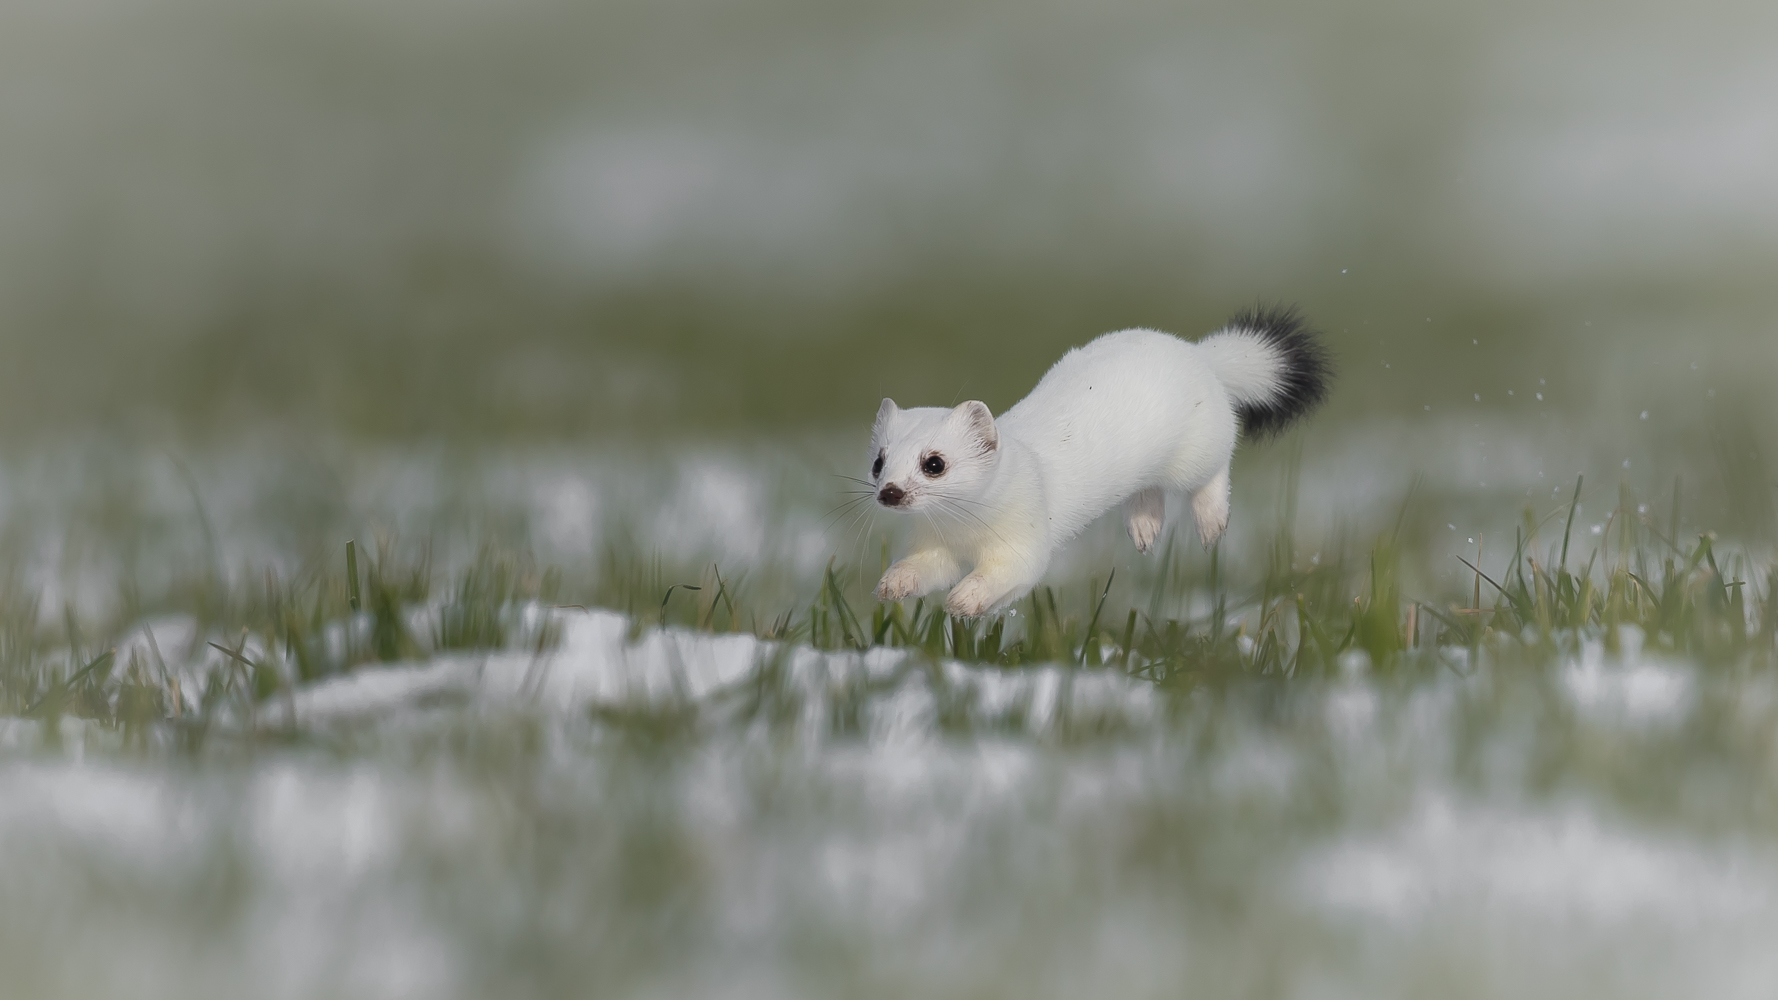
597 666
910 853
1557 900
1561 864
1638 691
310 849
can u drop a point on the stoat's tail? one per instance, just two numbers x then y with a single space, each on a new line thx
1273 368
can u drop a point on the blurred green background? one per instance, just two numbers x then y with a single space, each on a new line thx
469 219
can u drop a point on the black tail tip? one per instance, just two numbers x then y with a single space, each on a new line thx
1303 382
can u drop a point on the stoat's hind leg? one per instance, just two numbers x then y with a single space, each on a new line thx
1143 514
1210 506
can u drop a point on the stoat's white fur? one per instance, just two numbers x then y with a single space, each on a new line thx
1127 419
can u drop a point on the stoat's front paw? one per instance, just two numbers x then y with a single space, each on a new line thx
901 582
1144 529
972 598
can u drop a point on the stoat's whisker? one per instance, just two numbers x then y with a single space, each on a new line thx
860 530
957 499
838 512
970 513
941 534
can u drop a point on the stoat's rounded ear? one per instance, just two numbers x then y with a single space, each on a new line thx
978 422
884 412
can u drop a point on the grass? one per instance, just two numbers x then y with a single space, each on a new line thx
274 636
557 850
1187 626
1299 622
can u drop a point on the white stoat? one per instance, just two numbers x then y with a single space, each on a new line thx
1124 420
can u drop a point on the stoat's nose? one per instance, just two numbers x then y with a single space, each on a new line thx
891 496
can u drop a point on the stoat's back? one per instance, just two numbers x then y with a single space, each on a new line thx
1118 414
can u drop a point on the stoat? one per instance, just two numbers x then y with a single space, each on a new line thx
1127 419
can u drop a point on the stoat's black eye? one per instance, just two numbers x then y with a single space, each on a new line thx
876 468
933 466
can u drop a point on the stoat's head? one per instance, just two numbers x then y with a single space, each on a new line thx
929 456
